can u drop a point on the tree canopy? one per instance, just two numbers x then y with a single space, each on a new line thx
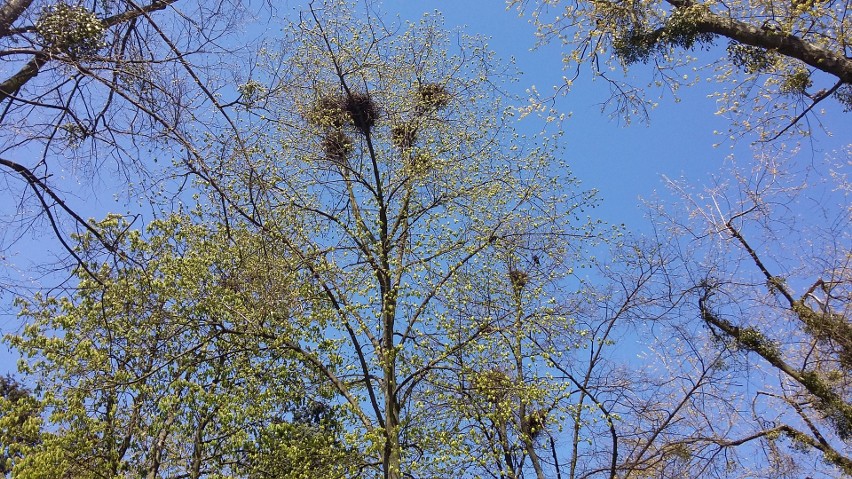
357 262
420 240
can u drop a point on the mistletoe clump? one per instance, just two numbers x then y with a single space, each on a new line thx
844 96
533 424
327 112
356 109
750 58
518 279
70 29
638 43
796 82
683 27
432 96
404 135
337 146
493 385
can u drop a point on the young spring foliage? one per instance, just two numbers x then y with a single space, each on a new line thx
143 374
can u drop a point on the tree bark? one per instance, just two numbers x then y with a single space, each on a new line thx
10 12
29 71
392 459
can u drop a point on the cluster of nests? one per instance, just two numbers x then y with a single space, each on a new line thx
358 110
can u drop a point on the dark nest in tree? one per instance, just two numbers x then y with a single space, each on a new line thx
518 279
337 146
404 135
534 423
362 110
433 96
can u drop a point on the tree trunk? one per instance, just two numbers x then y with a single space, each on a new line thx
392 457
9 12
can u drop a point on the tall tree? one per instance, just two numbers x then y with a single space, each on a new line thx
20 423
397 181
141 372
384 231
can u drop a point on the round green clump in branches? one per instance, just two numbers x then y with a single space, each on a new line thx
337 146
404 135
534 423
70 29
433 96
751 59
844 96
334 111
420 162
327 111
493 385
639 43
518 279
796 82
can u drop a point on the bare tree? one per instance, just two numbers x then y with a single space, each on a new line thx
766 289
718 345
108 96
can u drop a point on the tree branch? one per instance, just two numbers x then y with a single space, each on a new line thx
829 402
29 71
12 9
786 44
